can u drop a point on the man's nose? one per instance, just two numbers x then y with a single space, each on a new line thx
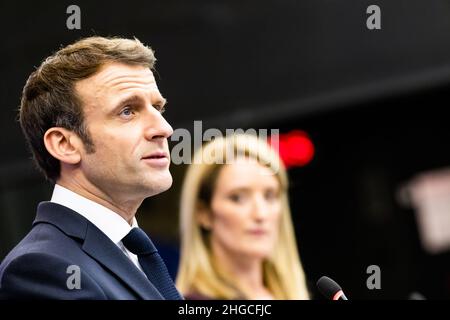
157 126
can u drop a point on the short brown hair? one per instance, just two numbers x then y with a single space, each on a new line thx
49 98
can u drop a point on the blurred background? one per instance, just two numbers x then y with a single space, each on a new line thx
373 103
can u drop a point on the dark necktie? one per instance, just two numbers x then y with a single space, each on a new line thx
151 262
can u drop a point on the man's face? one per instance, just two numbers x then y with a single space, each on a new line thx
122 107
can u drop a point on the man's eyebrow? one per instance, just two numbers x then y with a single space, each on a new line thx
127 100
161 105
135 99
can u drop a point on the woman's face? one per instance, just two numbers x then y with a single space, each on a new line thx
245 210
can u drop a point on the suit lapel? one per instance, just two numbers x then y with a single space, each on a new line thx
98 246
102 249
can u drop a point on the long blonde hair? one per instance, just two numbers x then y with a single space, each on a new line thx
282 271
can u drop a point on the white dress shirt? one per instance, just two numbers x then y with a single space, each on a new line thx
110 223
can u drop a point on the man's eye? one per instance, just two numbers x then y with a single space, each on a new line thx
127 111
161 109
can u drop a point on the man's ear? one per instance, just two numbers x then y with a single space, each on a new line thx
63 144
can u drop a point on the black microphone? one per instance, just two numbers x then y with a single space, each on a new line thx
416 296
330 289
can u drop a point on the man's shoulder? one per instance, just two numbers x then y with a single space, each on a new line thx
43 241
40 265
45 276
28 267
42 237
31 260
56 230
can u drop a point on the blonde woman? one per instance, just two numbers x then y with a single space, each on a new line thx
237 238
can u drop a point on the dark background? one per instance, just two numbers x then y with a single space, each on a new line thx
373 102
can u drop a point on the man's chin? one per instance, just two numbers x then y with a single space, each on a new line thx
168 184
160 185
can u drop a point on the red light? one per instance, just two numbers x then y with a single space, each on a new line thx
295 148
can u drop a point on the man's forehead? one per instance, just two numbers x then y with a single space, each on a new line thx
114 73
116 76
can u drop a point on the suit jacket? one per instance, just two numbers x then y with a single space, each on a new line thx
40 265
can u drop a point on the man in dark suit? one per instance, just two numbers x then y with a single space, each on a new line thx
92 116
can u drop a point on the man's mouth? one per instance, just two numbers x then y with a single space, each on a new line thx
156 155
157 159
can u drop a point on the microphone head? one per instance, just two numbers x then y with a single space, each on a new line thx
416 296
328 287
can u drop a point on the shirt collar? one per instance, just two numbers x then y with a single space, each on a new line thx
110 223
